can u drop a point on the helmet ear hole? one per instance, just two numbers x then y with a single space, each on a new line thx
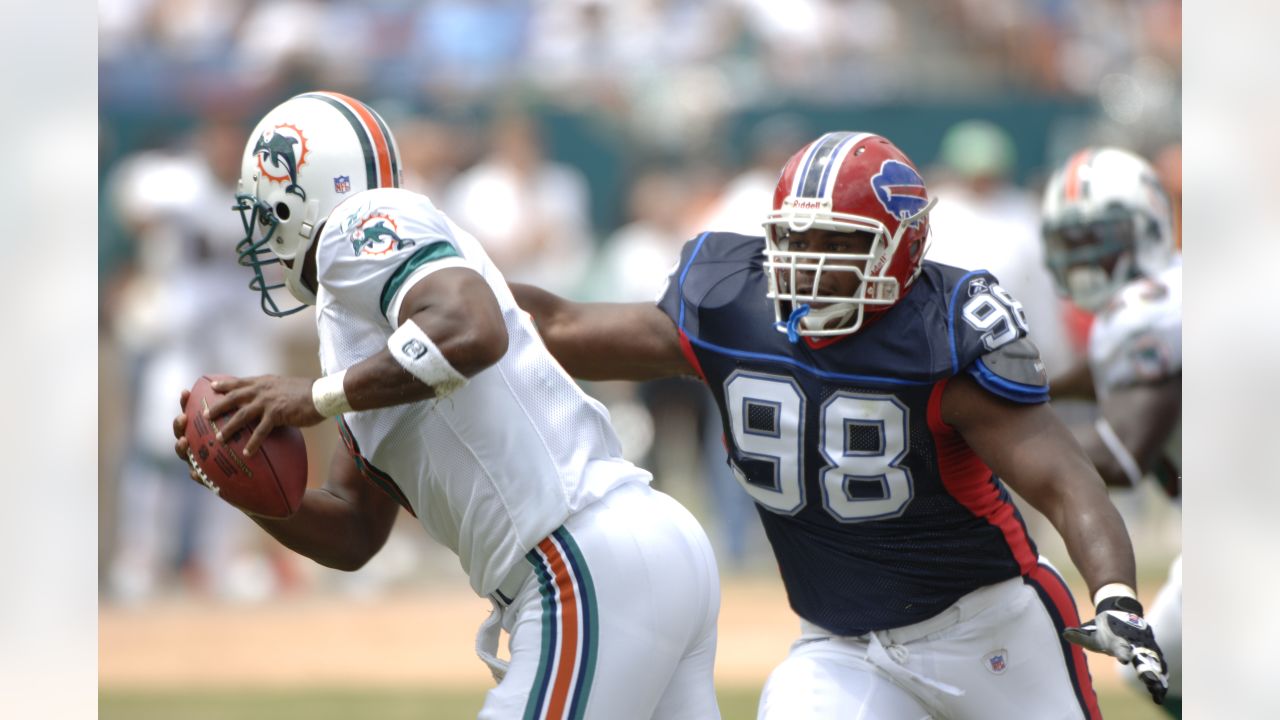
282 211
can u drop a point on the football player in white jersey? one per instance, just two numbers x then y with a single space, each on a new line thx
1108 235
450 406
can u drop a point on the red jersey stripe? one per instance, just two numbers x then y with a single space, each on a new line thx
968 479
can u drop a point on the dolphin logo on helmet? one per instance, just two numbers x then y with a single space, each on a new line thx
280 150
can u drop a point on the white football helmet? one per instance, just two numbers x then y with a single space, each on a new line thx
308 154
1107 220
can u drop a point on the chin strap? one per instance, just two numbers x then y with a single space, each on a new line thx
792 325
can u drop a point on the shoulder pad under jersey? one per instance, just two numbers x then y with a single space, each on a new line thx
380 242
988 335
712 270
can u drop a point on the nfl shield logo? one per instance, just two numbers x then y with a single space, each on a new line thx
997 661
342 184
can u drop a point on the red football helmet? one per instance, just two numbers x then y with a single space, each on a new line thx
845 182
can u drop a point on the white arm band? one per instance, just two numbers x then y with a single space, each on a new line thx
1118 450
1113 590
328 395
415 352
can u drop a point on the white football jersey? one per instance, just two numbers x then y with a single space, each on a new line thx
498 465
1138 339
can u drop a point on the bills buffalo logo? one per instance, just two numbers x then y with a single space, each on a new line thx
997 662
900 189
281 151
376 234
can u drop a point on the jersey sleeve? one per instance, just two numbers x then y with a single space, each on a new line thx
375 251
671 301
989 340
711 275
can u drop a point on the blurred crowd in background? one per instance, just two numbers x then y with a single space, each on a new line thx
583 142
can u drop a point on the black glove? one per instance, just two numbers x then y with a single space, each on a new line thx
1119 630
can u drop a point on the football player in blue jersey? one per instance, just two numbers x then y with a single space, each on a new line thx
879 409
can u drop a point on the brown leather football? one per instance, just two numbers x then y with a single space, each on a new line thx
270 482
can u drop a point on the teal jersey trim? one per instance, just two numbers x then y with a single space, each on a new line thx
437 250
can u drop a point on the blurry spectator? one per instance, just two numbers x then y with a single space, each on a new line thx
468 46
590 45
182 312
337 41
983 220
682 434
747 197
531 214
431 153
637 256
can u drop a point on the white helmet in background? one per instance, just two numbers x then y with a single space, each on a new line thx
308 154
1107 220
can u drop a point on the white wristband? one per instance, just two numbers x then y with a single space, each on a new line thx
1113 590
415 352
328 395
1118 451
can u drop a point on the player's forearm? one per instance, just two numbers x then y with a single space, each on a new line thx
382 380
379 381
605 341
1094 533
327 529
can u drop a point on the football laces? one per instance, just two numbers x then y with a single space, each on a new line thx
204 479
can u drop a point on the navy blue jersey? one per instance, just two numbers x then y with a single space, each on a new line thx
878 512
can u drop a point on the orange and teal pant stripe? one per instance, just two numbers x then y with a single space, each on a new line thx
570 630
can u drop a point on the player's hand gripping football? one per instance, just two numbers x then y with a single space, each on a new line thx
1119 630
262 402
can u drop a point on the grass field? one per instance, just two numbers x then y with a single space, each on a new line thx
461 704
404 655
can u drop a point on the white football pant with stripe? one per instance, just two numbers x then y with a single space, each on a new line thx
616 620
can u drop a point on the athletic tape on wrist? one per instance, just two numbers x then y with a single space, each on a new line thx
1118 450
329 396
415 352
1113 590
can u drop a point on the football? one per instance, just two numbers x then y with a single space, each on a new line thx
270 482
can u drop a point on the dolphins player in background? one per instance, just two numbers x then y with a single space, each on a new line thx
878 408
1108 236
450 406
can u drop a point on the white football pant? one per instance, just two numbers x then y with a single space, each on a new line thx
616 621
996 653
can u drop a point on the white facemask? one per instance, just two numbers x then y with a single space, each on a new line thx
833 316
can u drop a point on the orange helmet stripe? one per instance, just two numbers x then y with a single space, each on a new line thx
1072 185
386 172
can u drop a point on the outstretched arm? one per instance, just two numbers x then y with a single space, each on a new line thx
1030 448
1032 451
453 307
340 525
605 341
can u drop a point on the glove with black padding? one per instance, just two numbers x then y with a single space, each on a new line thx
1119 630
